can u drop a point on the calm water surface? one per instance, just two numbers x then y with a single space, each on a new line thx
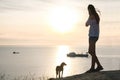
43 60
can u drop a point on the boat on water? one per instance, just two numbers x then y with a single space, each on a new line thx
73 54
15 52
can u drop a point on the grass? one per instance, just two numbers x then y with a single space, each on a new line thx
25 77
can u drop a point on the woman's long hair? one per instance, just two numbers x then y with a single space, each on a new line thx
92 11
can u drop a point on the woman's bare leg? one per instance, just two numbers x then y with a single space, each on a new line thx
92 52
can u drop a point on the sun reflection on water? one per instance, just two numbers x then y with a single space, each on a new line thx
61 54
74 65
62 51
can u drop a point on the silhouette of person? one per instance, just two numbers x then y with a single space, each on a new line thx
93 22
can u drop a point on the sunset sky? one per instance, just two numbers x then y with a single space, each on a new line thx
56 22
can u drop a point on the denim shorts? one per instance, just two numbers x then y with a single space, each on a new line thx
93 39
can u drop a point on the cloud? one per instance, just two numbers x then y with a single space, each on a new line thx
33 4
11 5
23 4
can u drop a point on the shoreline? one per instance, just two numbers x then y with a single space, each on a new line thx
102 75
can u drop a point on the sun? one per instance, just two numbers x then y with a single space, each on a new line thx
63 19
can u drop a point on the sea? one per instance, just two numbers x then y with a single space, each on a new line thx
42 60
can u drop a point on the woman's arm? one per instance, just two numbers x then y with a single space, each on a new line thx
88 21
86 24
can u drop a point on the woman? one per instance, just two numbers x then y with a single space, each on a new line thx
93 22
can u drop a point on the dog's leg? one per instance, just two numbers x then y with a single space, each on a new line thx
62 74
56 73
59 74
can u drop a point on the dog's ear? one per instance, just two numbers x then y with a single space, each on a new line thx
63 63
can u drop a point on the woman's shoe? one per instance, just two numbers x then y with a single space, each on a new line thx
99 69
90 71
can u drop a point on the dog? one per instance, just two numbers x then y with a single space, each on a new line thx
60 69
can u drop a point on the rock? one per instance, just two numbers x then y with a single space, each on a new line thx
103 75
